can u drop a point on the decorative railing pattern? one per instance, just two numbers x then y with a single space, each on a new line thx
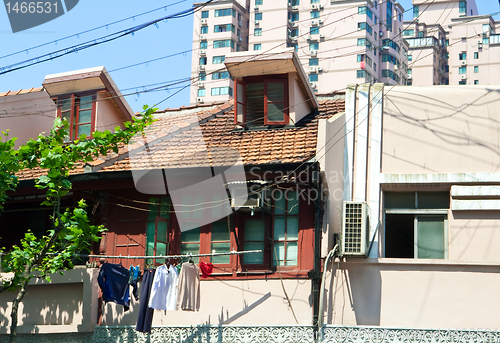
290 334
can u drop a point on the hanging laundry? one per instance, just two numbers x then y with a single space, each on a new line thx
113 281
188 298
135 274
206 269
164 289
145 312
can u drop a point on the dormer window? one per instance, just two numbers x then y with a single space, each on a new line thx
79 111
262 100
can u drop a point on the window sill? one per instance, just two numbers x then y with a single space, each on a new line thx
411 261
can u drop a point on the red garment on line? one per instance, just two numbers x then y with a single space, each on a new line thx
206 269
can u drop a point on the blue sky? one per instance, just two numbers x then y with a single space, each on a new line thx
173 36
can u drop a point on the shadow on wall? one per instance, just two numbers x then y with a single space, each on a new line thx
44 305
364 294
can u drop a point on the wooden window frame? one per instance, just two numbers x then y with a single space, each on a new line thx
75 112
267 80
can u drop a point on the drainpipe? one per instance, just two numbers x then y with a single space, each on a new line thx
315 274
322 292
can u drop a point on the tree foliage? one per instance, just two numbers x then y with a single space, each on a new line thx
71 231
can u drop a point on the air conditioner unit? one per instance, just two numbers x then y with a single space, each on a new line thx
355 229
314 52
380 33
314 23
295 8
240 23
203 52
463 76
321 36
486 34
256 22
294 39
202 67
240 39
409 76
199 100
318 69
295 24
320 21
312 69
256 8
201 84
203 37
463 62
314 6
257 199
320 6
479 45
203 22
313 84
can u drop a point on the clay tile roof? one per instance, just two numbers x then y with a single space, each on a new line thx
178 141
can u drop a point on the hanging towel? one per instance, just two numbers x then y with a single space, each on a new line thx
164 289
206 269
113 281
135 274
145 312
188 298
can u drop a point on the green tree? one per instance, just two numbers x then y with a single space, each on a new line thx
71 231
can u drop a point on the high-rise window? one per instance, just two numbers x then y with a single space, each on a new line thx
257 32
314 14
315 1
462 56
313 77
313 62
224 28
259 2
204 30
222 91
462 70
476 69
476 82
203 45
201 92
257 46
415 11
204 14
314 46
314 30
476 55
295 16
203 61
462 6
220 75
202 77
218 59
225 12
258 16
224 43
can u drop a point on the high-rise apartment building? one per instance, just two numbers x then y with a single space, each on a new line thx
449 43
338 42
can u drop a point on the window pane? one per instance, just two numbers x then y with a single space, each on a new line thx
292 228
86 102
193 249
254 230
84 130
280 205
150 238
279 228
220 231
219 248
275 112
65 105
275 91
161 231
189 236
399 235
433 199
291 253
399 199
161 249
255 103
431 237
257 258
293 202
85 116
280 251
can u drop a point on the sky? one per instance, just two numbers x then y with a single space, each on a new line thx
171 37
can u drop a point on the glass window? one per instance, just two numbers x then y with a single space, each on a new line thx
315 1
286 229
157 227
410 57
257 46
314 46
224 28
225 43
295 16
415 11
220 75
201 92
462 56
314 30
462 6
203 61
360 74
313 61
202 77
314 14
204 30
409 32
476 55
476 82
258 16
361 41
476 69
221 91
224 12
257 32
218 59
79 112
254 239
259 2
204 14
220 242
462 70
203 45
416 233
313 77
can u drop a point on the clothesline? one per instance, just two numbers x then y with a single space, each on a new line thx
171 256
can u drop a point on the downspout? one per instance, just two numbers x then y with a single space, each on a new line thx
316 272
